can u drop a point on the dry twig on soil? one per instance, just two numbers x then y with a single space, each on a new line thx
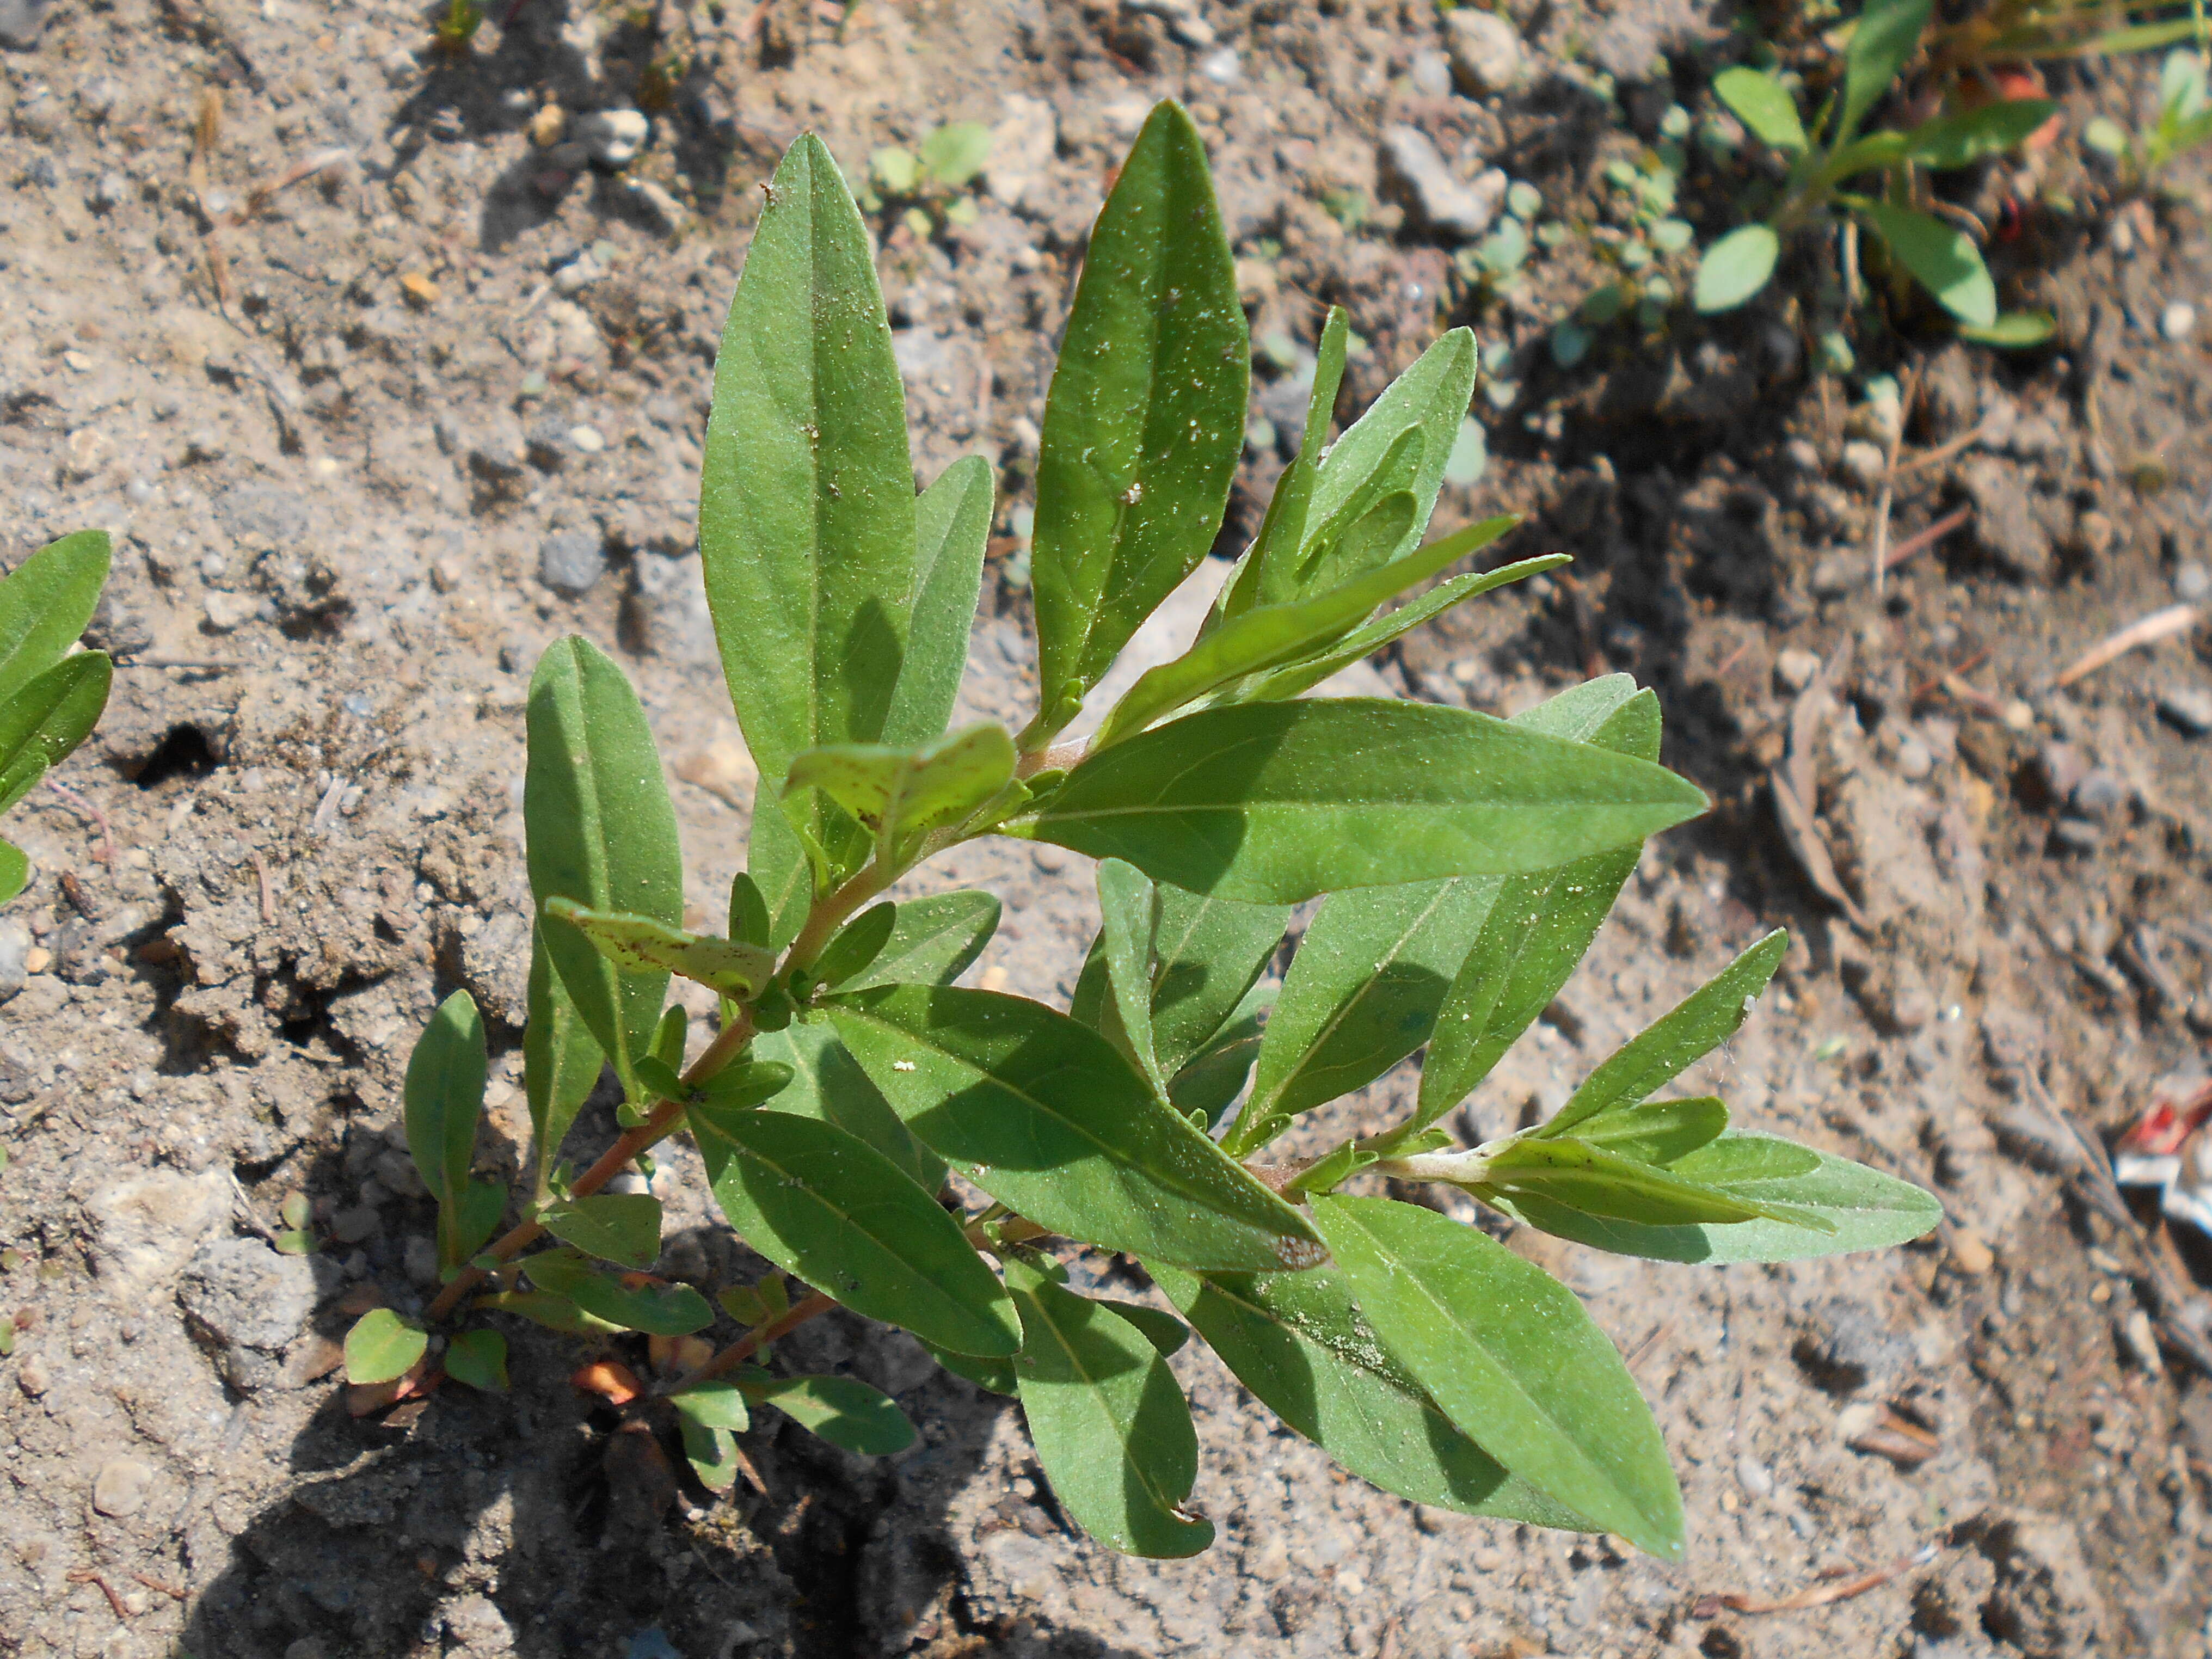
2148 630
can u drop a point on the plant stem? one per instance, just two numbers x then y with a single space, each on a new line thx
829 913
746 1346
728 1043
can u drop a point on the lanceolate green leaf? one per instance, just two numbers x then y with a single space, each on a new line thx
909 790
842 1410
1271 635
1272 803
1882 42
1764 105
1697 1026
1510 1355
1300 1343
933 940
1370 637
45 603
1542 923
1600 1182
1940 257
806 504
561 1061
1958 141
639 945
829 1084
479 1358
15 871
1207 954
1283 532
624 1228
825 1206
443 1097
1361 993
656 1308
1145 417
1658 1131
1124 936
1869 1211
952 525
1431 398
1335 550
1045 1115
1109 1424
602 834
47 719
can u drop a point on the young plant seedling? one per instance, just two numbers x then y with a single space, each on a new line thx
941 1158
2184 121
50 695
1939 256
931 176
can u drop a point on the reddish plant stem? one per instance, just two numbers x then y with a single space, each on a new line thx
727 1044
753 1340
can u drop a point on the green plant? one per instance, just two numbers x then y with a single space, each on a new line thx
931 176
927 1154
2184 121
1936 253
458 26
50 696
2012 32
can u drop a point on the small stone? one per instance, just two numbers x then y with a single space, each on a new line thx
2077 835
2188 708
1023 145
422 292
1447 204
38 959
1970 1253
572 562
1486 54
1837 574
477 1623
227 612
1914 761
2192 583
2178 321
1752 1475
20 22
1864 463
1803 454
1431 74
2095 533
2017 715
660 206
1794 669
2059 768
578 274
356 1222
15 957
547 126
613 137
31 1377
587 439
107 193
121 1486
2099 796
1182 19
86 453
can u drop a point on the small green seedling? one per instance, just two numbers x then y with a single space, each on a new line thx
50 694
2184 121
459 25
931 176
941 1158
1939 255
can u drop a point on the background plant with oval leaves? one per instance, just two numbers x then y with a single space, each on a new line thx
933 1156
51 694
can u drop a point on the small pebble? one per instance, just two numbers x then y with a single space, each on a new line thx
1970 1253
2100 795
2192 583
587 439
1863 462
120 1487
1753 1477
547 126
2178 321
2189 709
1486 53
420 290
1793 670
572 560
1914 761
1431 74
613 137
2077 835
